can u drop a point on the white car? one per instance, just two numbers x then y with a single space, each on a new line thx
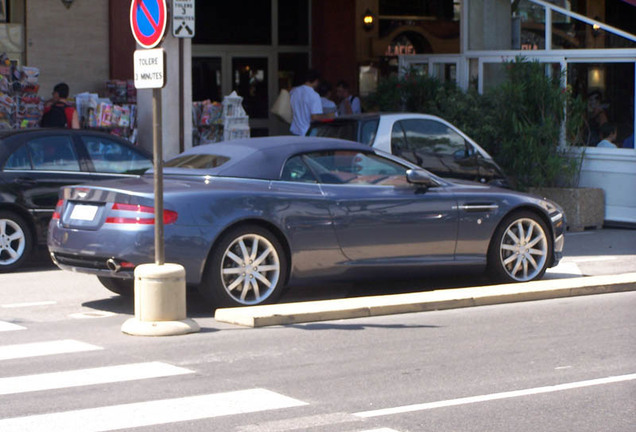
426 140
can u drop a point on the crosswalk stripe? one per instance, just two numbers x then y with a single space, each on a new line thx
7 326
37 349
153 412
83 377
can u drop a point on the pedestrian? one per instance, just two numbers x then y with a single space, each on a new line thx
305 104
608 133
349 104
328 106
57 111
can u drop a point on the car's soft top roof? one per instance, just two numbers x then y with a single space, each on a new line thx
262 158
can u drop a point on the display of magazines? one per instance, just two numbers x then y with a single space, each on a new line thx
219 121
20 105
115 114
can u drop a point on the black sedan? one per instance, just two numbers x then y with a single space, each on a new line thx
35 163
249 217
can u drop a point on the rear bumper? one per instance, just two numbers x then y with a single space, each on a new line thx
89 252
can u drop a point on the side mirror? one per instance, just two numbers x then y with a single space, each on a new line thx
420 178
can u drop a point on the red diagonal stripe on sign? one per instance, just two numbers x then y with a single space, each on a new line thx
151 20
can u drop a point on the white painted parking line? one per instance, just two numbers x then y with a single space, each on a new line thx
92 315
30 304
153 412
7 326
84 377
380 430
494 396
11 352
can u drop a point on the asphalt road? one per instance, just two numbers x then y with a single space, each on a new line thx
558 365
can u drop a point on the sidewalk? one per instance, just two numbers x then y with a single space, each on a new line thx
595 262
597 252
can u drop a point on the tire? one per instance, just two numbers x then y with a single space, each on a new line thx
16 241
123 287
247 267
520 258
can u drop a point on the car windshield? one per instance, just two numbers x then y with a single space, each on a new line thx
197 161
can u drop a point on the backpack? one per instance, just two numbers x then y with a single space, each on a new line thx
55 117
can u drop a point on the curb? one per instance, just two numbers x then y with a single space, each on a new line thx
359 307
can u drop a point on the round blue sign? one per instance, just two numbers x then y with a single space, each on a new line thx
148 19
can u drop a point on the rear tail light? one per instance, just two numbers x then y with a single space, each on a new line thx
169 216
58 210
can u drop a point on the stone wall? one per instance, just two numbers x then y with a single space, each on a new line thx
69 45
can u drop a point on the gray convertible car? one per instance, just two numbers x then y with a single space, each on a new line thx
248 218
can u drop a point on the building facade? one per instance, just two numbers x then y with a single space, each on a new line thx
258 47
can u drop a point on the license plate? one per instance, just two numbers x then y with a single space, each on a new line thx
84 212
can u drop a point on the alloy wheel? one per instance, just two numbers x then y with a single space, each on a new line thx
12 242
250 269
524 249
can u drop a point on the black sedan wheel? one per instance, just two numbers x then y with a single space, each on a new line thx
247 267
521 248
123 287
15 241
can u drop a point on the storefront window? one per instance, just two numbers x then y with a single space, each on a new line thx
440 9
608 89
238 22
567 32
206 78
249 80
291 67
293 22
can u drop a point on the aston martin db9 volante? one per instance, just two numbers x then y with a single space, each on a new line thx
248 218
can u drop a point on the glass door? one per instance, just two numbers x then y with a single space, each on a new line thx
250 80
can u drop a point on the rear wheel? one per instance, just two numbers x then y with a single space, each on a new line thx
247 267
16 241
123 287
520 249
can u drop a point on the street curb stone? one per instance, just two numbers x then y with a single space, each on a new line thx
358 307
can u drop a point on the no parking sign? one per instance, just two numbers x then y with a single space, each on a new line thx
148 20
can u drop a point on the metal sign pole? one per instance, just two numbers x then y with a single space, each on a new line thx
158 176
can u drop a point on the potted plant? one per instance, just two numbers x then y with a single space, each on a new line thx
538 122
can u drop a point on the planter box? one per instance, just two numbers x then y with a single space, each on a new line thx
584 207
614 171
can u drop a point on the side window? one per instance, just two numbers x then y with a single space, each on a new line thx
368 131
351 167
431 136
19 160
110 156
296 170
398 140
53 153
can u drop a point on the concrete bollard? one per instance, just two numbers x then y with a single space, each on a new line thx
160 302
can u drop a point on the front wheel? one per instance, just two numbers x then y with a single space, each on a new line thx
123 287
15 241
520 249
247 267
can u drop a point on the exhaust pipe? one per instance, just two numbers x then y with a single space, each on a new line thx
113 265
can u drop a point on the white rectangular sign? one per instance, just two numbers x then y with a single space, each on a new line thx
183 18
149 68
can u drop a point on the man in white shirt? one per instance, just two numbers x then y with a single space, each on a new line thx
305 104
349 104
